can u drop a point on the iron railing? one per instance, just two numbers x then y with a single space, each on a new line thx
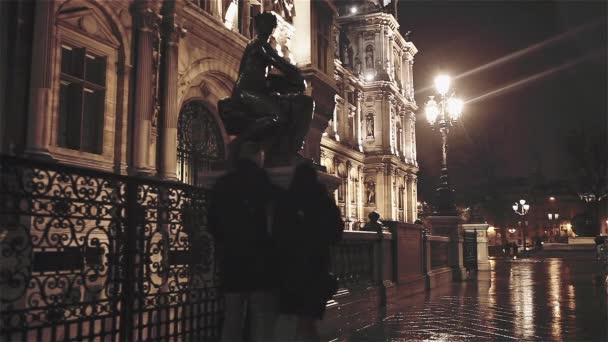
87 255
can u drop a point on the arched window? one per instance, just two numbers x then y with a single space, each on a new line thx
199 142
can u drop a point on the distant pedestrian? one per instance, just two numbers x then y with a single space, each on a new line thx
308 222
238 219
374 225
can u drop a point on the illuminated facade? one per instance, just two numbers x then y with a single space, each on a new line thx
132 87
370 142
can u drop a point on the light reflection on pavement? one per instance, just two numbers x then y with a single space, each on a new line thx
555 299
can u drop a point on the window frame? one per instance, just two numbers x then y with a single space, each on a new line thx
66 35
85 86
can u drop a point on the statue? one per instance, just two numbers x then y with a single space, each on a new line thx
371 192
370 126
268 109
369 57
357 65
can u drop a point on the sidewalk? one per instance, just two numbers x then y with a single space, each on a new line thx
553 299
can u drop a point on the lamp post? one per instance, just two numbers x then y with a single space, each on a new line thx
521 208
442 115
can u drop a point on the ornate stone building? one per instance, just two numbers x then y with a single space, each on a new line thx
370 142
132 87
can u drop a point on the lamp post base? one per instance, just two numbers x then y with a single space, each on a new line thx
445 202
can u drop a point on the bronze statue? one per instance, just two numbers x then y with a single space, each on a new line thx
267 108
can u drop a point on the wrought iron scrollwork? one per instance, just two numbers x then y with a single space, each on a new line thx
69 256
199 142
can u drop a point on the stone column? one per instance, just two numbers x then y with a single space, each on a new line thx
169 110
410 80
216 9
409 181
245 18
147 25
337 116
41 79
404 75
414 199
413 136
406 200
359 120
348 192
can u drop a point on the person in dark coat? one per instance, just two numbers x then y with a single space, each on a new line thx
374 224
238 219
308 222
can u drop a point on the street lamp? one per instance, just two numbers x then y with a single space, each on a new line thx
553 217
522 209
442 115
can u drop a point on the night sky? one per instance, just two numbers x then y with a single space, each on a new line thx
557 73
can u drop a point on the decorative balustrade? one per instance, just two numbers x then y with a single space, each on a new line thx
353 259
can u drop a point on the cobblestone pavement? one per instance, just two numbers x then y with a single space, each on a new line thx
554 299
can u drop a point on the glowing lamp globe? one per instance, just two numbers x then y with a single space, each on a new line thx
442 84
432 110
455 108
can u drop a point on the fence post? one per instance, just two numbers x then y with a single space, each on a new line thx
134 217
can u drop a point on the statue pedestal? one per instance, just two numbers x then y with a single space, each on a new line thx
483 262
449 226
280 176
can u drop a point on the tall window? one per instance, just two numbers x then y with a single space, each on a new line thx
199 142
323 27
81 100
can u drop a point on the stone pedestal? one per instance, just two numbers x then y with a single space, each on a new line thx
483 262
450 226
280 176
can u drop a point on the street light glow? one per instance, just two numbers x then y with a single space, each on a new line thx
432 110
353 10
442 84
455 108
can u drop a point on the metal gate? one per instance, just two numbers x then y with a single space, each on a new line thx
469 249
87 255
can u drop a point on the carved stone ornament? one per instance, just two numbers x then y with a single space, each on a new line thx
148 20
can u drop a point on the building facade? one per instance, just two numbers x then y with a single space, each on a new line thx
370 141
131 87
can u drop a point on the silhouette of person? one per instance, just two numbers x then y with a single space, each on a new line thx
374 225
308 222
238 219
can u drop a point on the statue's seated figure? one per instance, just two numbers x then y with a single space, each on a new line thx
270 109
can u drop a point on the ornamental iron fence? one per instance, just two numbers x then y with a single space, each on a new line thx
87 255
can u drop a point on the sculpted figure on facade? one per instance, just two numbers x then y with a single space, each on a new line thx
369 57
357 68
266 108
369 124
370 191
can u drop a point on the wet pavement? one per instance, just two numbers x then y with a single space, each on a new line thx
553 299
